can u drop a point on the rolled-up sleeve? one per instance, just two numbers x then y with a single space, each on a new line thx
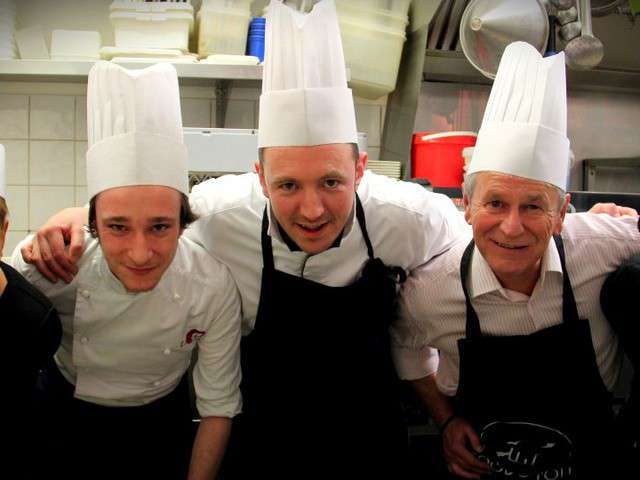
216 375
412 355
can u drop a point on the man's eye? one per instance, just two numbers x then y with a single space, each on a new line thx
532 207
117 228
161 227
331 183
495 204
288 186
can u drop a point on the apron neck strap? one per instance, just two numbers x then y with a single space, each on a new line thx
569 308
267 248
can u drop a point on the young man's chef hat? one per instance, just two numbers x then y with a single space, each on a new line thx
524 129
134 128
3 178
305 99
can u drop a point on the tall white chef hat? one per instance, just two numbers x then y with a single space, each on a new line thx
524 129
305 99
134 128
3 178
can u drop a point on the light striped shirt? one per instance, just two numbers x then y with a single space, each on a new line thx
433 311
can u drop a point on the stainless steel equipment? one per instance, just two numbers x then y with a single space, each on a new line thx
488 26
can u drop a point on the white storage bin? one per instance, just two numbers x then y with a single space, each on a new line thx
372 56
222 31
69 44
152 24
371 16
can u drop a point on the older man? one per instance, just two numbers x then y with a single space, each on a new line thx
527 359
117 399
317 266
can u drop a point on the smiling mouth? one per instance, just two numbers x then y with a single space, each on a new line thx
508 246
311 228
141 271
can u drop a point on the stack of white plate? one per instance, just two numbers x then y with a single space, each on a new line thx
7 29
385 167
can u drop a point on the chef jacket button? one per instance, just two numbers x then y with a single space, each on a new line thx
84 340
166 351
85 293
176 297
156 383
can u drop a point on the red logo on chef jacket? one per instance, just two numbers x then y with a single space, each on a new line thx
193 335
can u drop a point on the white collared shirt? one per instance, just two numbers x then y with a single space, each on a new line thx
434 311
129 349
407 226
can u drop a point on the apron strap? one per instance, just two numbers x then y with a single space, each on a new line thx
472 328
363 226
569 308
267 251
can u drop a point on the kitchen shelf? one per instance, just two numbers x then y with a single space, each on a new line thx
453 66
220 77
77 71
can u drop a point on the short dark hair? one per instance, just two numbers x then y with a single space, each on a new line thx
4 211
355 152
187 216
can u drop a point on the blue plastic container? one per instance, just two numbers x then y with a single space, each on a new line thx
255 38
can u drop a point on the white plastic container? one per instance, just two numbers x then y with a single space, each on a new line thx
381 18
372 56
75 44
222 31
152 24
31 44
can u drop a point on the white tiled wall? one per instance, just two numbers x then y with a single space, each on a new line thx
43 128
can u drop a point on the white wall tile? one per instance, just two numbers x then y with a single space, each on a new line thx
51 163
240 114
18 203
14 116
81 162
45 201
81 118
51 117
17 158
81 196
12 239
196 112
368 121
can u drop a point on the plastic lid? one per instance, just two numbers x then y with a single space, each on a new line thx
221 59
368 26
434 136
151 7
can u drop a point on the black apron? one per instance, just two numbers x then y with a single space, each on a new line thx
537 401
82 440
320 393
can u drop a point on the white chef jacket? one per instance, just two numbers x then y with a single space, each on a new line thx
129 349
407 225
434 310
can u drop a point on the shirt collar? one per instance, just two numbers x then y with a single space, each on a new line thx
278 233
484 281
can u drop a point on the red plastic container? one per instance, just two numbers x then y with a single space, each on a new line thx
438 157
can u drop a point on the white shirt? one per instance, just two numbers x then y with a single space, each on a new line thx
129 349
407 226
434 311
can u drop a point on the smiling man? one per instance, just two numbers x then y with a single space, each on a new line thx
527 359
115 403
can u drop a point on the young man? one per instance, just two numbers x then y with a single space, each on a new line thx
117 397
527 359
31 335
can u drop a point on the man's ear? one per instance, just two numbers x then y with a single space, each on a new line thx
361 163
467 208
263 182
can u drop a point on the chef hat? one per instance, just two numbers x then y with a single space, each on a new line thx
524 129
305 99
134 128
3 186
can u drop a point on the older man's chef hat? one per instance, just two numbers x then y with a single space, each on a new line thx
3 186
305 99
134 128
524 129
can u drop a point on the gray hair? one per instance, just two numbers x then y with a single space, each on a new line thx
470 185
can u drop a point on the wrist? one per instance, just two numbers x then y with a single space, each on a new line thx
447 422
